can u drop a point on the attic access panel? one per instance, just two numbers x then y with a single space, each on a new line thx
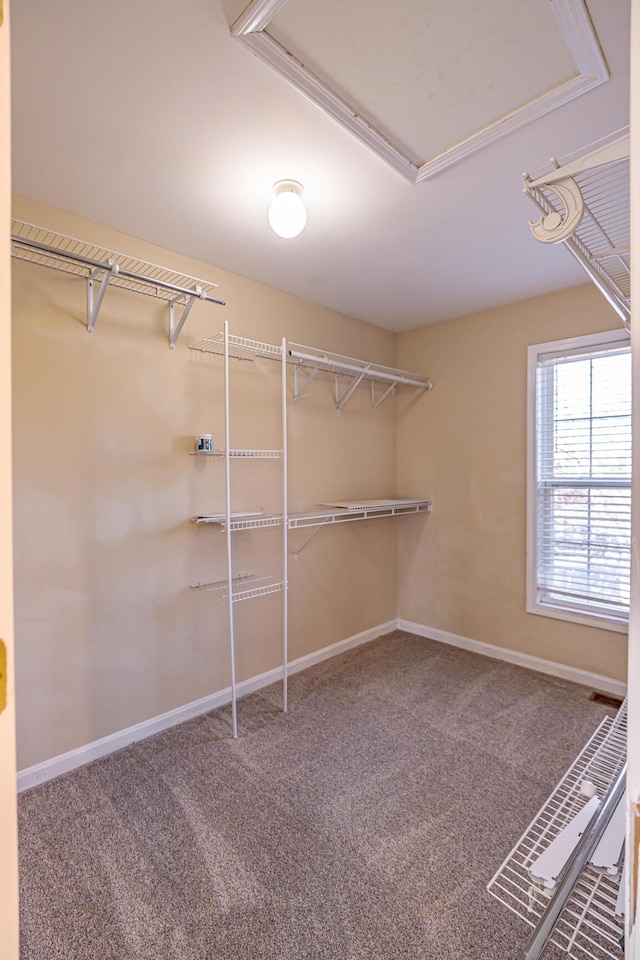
425 85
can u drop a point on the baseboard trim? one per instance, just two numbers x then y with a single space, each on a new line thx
56 766
562 670
295 666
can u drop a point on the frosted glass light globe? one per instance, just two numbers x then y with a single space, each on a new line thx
287 213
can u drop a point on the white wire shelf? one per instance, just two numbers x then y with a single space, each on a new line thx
246 586
311 360
308 361
97 264
240 348
240 454
214 586
347 511
241 521
585 202
589 927
262 588
305 356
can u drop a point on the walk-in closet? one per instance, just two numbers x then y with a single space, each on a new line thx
318 588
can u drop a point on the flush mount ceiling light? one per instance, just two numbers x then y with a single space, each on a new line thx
287 213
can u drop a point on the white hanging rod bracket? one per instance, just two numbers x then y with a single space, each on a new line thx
69 255
306 543
175 329
341 399
93 308
376 403
298 391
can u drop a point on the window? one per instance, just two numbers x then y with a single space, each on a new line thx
579 490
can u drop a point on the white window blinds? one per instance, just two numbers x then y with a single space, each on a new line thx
583 479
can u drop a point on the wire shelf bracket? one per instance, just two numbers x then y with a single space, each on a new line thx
585 204
107 268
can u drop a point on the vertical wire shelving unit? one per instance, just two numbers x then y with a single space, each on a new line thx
247 586
307 362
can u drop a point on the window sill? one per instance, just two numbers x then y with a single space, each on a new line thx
586 619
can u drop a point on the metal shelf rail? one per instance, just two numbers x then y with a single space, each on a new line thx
96 264
588 927
585 204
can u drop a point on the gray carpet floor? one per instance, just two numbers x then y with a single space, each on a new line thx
364 824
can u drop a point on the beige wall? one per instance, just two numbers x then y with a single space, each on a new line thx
109 633
8 844
464 571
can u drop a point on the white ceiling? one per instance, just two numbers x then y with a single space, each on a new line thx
147 116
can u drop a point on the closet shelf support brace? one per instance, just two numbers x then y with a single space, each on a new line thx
341 399
308 540
93 308
175 329
376 403
297 390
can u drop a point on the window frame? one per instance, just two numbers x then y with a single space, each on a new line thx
609 338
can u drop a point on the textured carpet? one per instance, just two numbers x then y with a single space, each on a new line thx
365 824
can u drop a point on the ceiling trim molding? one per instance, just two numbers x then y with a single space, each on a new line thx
574 23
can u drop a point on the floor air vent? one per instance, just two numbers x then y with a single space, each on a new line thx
606 699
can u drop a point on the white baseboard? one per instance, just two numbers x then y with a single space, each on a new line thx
341 646
603 684
41 772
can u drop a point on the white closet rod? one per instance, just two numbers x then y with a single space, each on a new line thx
369 370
